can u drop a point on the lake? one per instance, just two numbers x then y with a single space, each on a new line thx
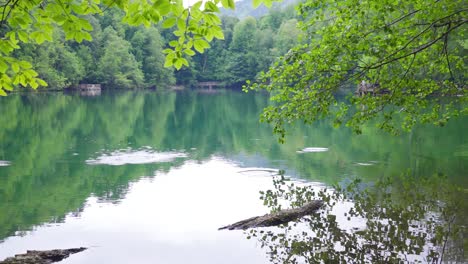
149 177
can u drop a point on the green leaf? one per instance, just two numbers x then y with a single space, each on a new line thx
33 85
178 33
209 35
168 63
211 7
218 34
268 3
181 24
3 66
184 62
178 63
189 52
199 45
15 67
256 3
25 64
225 3
231 4
23 36
164 7
169 22
2 92
41 82
197 5
85 24
7 86
204 44
87 36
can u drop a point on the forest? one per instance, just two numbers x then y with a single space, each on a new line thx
367 101
125 57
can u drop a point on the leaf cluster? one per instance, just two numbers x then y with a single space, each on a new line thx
410 54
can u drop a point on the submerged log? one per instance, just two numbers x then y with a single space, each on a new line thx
278 218
42 257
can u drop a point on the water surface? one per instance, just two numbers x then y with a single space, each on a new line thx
149 177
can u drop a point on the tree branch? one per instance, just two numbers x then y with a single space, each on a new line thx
416 50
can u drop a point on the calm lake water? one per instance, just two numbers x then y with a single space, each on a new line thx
150 177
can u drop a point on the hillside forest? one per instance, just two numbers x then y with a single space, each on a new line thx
125 57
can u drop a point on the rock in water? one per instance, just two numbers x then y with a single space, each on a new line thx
42 257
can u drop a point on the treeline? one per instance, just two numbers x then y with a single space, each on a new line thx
250 46
121 56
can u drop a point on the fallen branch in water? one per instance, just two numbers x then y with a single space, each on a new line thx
42 257
278 218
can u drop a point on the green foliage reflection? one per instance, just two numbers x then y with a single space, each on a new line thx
47 138
401 219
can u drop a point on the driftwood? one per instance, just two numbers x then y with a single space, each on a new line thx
42 257
278 218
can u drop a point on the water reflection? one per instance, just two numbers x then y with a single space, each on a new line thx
170 218
48 141
404 219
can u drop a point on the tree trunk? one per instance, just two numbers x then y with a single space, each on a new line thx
278 218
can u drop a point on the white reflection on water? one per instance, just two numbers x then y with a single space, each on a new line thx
312 149
4 163
364 164
128 156
170 218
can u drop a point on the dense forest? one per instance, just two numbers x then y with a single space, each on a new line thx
122 56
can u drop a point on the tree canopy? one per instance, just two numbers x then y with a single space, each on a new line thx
411 55
36 21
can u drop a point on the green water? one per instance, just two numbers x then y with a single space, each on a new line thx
52 145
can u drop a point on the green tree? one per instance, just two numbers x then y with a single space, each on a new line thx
211 65
412 54
287 36
243 62
58 65
34 22
118 67
147 44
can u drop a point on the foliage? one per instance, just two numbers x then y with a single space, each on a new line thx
250 46
147 44
57 64
395 220
35 22
118 66
412 53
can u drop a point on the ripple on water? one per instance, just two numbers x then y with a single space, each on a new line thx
312 149
4 163
128 156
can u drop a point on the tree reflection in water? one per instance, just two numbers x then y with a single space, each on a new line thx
405 219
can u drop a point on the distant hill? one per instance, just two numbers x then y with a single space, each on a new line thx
244 8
